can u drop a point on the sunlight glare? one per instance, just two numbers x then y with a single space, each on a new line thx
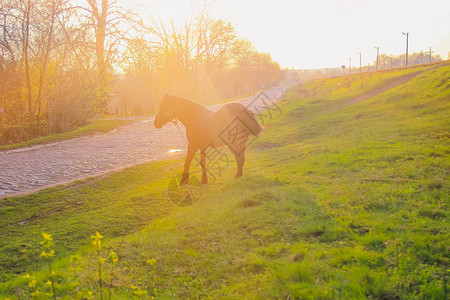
175 150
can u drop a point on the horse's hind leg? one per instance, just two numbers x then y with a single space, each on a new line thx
239 156
203 164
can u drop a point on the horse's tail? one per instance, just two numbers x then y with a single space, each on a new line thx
252 124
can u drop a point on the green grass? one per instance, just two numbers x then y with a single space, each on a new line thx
72 212
99 126
338 202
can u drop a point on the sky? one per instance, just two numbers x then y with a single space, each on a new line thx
326 33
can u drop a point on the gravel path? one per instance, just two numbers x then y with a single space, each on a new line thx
27 170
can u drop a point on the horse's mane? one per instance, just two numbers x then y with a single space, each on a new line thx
197 107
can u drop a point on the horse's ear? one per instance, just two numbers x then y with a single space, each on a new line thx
166 96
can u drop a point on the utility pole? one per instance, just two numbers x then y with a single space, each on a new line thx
349 65
359 62
430 54
407 38
378 49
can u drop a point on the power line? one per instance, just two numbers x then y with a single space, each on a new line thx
407 38
378 50
359 61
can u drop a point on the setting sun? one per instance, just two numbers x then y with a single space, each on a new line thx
324 34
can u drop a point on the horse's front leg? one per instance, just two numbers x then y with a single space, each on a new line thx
187 164
203 164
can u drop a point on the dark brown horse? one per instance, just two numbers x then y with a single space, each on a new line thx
230 126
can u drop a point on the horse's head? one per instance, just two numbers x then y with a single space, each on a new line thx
167 111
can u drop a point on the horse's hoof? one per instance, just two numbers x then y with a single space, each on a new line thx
204 181
184 180
237 175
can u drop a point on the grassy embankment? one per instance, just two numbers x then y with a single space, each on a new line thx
339 201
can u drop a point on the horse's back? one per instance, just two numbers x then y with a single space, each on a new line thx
233 106
236 113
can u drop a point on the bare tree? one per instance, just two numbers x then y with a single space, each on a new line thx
108 23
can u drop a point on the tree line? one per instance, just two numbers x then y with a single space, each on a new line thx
63 62
387 61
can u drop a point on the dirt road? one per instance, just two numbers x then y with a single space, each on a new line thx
27 170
